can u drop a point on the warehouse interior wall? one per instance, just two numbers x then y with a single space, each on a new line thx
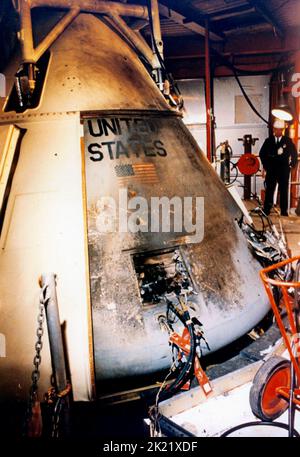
233 116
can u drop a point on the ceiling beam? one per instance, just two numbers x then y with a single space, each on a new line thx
179 19
250 29
245 44
267 15
194 68
235 13
229 12
262 52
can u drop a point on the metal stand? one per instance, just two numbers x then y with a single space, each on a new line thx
248 142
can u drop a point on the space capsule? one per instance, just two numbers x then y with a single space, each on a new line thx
102 131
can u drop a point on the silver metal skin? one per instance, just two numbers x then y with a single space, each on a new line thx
134 38
229 299
91 69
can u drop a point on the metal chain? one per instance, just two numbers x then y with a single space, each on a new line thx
35 376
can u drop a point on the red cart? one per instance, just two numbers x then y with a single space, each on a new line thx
276 385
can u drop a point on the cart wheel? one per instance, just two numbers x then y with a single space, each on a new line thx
264 401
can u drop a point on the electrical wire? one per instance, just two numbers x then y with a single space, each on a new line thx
248 99
181 379
243 72
154 410
237 70
257 424
185 372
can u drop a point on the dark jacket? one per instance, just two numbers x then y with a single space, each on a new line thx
278 157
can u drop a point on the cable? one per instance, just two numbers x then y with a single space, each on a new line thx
154 410
256 424
234 69
233 167
186 370
184 375
248 99
231 66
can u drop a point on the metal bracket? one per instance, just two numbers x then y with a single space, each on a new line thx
23 7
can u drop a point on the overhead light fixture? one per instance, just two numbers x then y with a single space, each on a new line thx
282 110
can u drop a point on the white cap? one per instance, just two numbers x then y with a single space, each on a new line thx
279 124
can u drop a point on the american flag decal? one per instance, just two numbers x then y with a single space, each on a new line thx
141 172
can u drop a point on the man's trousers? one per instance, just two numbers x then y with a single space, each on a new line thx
280 176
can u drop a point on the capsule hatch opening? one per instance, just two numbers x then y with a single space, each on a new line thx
161 273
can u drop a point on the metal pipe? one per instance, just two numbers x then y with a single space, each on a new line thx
54 331
222 16
55 32
95 6
208 94
156 27
26 36
295 171
138 24
180 19
135 39
114 10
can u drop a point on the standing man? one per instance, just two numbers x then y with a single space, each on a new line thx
278 155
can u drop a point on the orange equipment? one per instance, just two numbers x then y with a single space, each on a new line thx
276 384
248 164
183 344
